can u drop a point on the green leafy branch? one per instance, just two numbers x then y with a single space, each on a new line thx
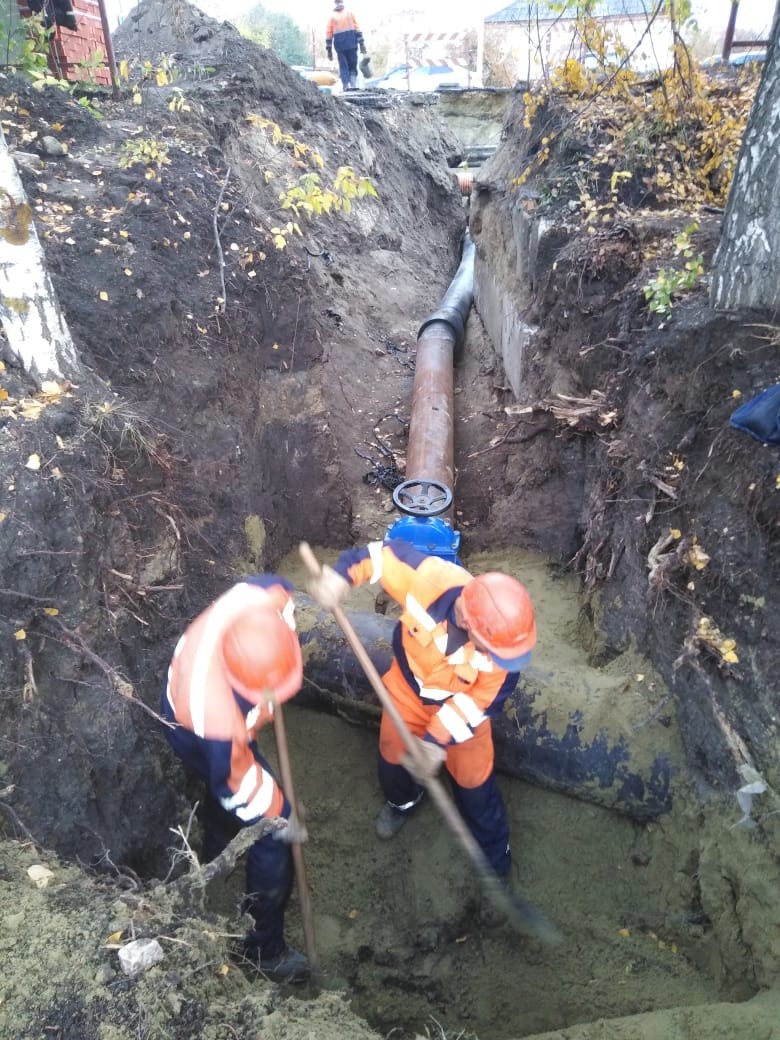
670 282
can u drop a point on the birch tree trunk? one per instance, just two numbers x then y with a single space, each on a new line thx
746 268
30 315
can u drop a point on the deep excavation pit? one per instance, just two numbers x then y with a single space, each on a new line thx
623 863
233 435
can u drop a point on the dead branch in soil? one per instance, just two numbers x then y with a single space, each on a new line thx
200 876
585 414
660 563
223 304
6 791
118 682
46 601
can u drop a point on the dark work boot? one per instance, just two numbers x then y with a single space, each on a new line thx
389 821
288 966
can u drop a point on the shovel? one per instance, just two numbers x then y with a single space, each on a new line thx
304 897
519 912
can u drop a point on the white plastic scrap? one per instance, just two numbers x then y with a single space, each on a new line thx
139 955
754 784
40 875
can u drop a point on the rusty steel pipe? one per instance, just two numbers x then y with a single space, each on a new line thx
430 453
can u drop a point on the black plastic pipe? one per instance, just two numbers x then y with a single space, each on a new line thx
596 768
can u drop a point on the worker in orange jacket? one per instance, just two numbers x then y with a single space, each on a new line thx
233 663
458 649
343 33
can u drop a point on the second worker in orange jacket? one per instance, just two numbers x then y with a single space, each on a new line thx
458 648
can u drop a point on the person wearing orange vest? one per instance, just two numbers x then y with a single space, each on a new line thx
343 33
458 649
233 663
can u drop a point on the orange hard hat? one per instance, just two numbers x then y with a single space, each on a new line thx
261 654
498 612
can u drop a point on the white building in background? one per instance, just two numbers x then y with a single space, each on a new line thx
531 37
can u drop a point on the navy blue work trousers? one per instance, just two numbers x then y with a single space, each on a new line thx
348 65
481 807
269 865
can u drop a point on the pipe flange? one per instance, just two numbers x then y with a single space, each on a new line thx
422 497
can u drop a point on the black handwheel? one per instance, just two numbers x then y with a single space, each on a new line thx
422 497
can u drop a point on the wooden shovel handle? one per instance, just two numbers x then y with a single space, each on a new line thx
304 896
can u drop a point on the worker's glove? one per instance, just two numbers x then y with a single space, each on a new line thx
362 48
328 588
330 54
292 833
425 764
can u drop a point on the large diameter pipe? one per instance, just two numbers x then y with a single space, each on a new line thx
430 453
578 751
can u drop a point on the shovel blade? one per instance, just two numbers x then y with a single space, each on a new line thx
520 914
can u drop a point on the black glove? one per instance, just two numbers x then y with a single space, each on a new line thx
330 54
362 48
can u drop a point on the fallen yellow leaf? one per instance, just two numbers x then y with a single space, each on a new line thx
128 272
31 409
33 463
223 970
50 389
51 611
19 635
114 937
3 394
624 933
103 294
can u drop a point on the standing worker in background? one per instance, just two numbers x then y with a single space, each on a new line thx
236 659
458 649
344 34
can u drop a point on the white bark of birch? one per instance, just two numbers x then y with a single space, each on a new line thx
30 314
746 268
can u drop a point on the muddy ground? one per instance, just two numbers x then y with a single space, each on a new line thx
217 423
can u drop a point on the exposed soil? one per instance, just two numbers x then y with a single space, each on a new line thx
236 399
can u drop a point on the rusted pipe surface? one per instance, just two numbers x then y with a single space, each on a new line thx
430 453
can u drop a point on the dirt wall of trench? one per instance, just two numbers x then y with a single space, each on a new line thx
614 452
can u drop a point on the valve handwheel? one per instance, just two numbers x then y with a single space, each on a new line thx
422 497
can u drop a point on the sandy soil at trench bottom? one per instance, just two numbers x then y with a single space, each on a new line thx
396 922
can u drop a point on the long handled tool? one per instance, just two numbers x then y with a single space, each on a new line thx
304 897
522 914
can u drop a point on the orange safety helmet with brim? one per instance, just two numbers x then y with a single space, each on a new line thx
498 613
262 655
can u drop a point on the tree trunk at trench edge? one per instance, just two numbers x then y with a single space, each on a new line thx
30 314
745 269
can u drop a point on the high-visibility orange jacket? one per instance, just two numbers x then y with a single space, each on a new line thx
460 685
343 32
199 698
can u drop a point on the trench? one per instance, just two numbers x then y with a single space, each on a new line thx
397 923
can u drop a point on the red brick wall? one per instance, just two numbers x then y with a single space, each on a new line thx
69 48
